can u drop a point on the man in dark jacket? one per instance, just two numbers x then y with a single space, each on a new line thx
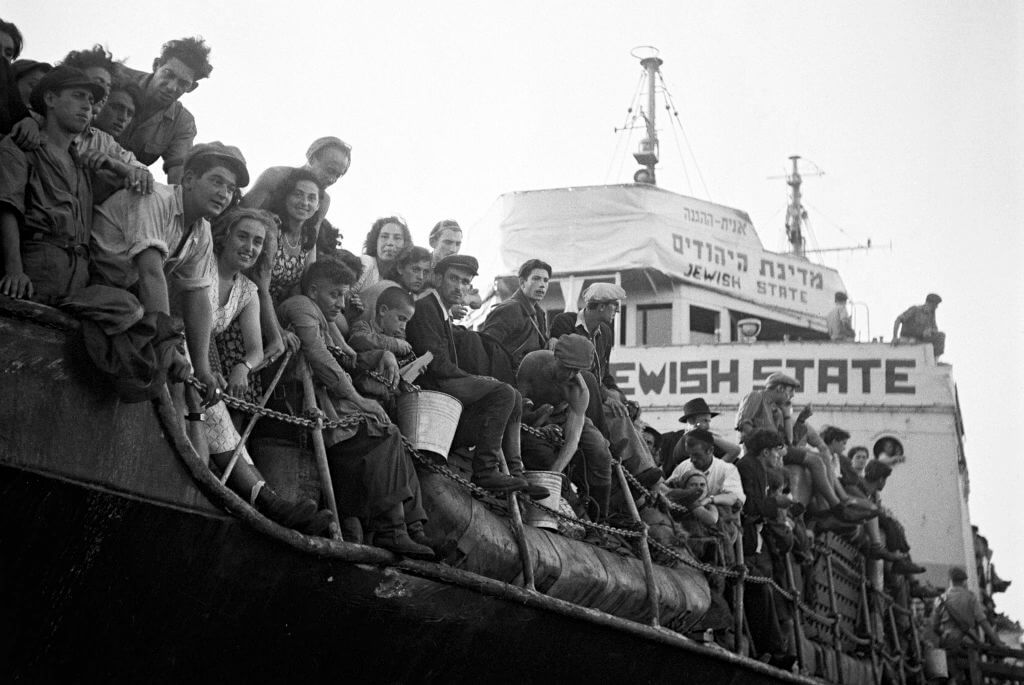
519 324
492 410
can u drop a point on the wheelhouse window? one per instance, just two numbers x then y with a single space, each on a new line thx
704 325
654 325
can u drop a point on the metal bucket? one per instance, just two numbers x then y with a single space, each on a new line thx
429 419
935 664
536 517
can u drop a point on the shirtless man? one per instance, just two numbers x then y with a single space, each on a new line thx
551 384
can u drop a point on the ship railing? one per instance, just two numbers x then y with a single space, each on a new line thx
831 624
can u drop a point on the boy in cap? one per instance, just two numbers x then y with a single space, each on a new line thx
772 409
46 194
918 324
492 410
163 127
551 384
519 324
840 326
159 245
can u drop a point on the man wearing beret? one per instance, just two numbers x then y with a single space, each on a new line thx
492 410
46 194
551 384
159 245
917 324
772 409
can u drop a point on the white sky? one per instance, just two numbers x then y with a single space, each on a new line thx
912 109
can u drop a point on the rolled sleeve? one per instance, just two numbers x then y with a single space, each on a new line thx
182 136
13 177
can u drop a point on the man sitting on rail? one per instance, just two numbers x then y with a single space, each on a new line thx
492 410
771 409
46 194
519 324
917 324
551 384
374 479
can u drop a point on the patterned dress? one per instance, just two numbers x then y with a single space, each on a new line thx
285 272
221 435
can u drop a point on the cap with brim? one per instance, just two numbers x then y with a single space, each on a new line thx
574 351
779 378
600 293
60 79
229 154
21 67
460 261
933 298
696 407
957 574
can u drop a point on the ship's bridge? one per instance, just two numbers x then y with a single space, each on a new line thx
692 269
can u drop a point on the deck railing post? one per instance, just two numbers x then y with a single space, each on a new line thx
834 608
309 405
737 601
898 644
876 673
798 629
645 551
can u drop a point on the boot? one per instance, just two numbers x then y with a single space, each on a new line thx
352 529
389 532
417 534
906 567
876 551
302 516
496 481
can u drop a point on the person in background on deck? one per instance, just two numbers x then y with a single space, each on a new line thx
162 127
27 73
840 326
412 274
374 479
387 238
917 324
46 200
492 410
446 239
956 619
15 113
123 102
519 324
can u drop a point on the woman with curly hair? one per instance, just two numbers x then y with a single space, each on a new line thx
387 238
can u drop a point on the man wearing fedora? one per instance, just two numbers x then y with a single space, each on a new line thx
491 410
696 414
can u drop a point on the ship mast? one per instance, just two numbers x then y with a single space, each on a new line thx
647 154
795 213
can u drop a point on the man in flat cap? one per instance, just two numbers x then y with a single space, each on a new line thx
840 326
772 409
594 322
159 245
492 410
552 386
46 194
917 324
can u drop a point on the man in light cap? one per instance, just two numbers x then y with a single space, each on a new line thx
840 327
492 410
917 324
772 409
46 194
555 393
594 322
159 246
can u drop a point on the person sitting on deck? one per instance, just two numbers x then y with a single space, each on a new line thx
163 127
492 410
771 409
552 385
696 415
46 200
840 328
374 478
412 274
386 330
876 475
594 322
917 324
519 324
724 487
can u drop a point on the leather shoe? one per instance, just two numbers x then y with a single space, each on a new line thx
417 534
905 567
399 542
499 482
877 551
537 492
924 591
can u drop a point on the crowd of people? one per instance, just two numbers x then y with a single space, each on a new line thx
256 276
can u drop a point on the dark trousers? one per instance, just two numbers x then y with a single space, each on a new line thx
371 475
593 455
759 608
491 414
56 272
